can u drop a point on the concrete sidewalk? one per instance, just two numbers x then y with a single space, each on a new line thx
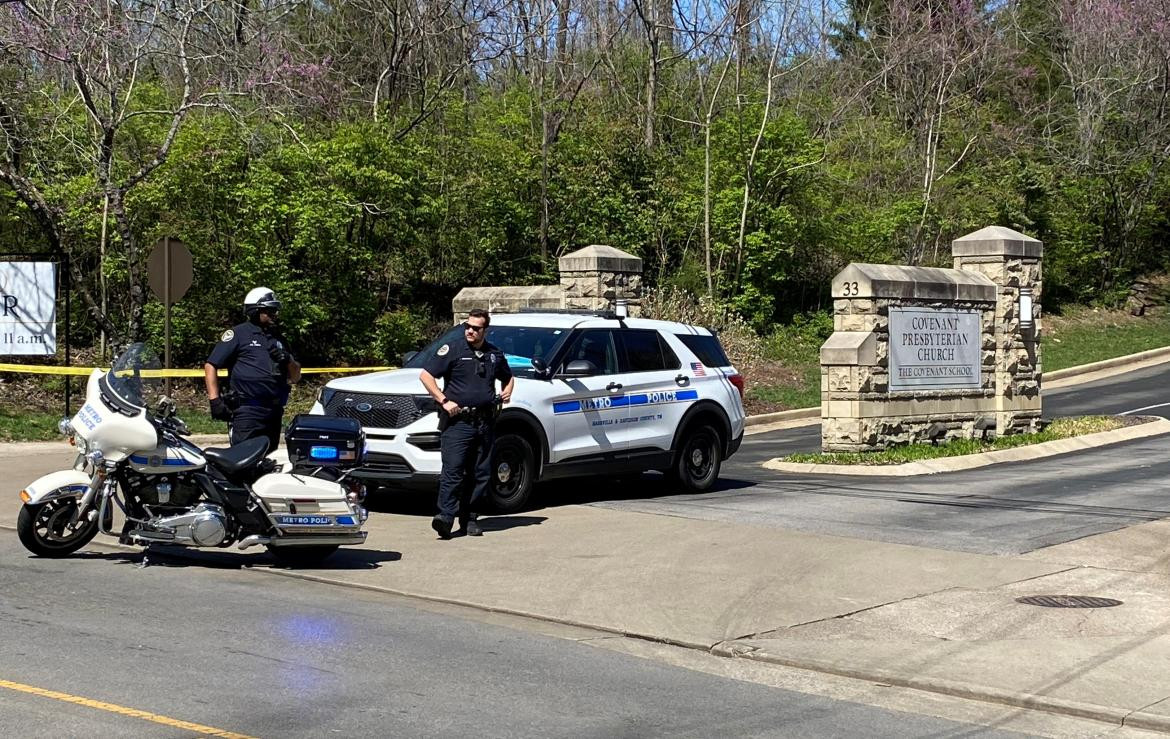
941 621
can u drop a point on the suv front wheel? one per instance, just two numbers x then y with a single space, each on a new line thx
513 472
697 465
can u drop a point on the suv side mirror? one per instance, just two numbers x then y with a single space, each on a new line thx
541 369
580 368
408 356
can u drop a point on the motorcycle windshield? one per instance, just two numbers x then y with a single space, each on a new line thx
135 377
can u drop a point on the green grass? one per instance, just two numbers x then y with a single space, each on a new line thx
16 425
805 395
1085 336
1062 428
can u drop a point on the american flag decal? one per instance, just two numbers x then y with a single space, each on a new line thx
697 368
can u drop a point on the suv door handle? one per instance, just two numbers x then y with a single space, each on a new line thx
614 386
681 380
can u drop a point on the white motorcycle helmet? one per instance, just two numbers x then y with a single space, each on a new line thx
258 298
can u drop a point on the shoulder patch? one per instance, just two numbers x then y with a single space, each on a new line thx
228 335
442 350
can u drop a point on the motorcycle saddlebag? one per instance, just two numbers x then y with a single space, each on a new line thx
325 441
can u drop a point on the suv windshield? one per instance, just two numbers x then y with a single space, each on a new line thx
520 344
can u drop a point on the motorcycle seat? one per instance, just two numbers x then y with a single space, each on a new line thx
233 460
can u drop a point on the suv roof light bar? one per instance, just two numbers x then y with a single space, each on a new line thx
609 314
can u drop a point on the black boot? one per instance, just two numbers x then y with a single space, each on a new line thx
471 528
442 526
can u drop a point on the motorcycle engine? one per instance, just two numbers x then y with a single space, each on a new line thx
165 491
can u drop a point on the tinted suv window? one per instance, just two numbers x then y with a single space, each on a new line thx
706 348
597 346
646 351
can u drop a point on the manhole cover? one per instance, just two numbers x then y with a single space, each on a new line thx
1068 601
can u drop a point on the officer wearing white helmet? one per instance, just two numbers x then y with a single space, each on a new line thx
260 368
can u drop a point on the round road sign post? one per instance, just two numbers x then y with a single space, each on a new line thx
169 271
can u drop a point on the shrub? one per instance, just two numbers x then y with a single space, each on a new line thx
742 344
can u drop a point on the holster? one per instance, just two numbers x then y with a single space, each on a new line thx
232 400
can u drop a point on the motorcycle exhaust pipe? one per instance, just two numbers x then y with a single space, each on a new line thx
253 540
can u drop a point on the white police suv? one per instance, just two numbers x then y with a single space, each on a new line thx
595 395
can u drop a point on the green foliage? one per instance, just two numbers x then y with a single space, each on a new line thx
367 226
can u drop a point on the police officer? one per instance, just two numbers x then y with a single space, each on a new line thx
260 368
469 370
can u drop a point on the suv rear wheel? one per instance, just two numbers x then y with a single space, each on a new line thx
697 465
513 472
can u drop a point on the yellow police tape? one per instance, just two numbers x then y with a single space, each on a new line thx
42 369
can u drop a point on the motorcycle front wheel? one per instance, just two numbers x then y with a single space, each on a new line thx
46 531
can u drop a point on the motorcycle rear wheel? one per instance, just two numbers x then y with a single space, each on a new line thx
302 556
45 531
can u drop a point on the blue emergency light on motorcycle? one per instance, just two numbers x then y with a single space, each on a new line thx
323 452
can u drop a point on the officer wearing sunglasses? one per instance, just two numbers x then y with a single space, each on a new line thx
467 418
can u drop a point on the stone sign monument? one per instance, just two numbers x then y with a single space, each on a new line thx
924 354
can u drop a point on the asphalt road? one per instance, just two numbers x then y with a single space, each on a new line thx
1001 509
239 651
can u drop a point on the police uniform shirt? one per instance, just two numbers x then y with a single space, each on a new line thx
243 351
469 374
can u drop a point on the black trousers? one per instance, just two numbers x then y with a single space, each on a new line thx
250 421
466 447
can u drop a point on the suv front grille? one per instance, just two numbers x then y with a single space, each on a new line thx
387 464
379 411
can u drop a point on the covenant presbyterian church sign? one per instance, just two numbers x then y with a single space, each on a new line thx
934 348
28 308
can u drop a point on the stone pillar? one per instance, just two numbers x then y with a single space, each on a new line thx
1013 262
597 276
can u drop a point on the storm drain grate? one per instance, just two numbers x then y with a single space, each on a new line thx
1068 601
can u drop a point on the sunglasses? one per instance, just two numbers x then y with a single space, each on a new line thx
476 329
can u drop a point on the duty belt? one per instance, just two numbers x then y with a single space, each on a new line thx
478 413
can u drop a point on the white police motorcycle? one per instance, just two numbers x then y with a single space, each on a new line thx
169 491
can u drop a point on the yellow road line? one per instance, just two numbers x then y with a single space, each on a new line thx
121 710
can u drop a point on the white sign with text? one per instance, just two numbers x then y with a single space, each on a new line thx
934 349
28 308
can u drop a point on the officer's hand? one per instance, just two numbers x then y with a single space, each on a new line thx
506 396
278 354
220 410
451 407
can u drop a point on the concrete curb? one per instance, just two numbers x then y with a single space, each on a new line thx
797 414
970 691
972 461
1161 354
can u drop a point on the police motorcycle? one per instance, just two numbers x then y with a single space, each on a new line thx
169 491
